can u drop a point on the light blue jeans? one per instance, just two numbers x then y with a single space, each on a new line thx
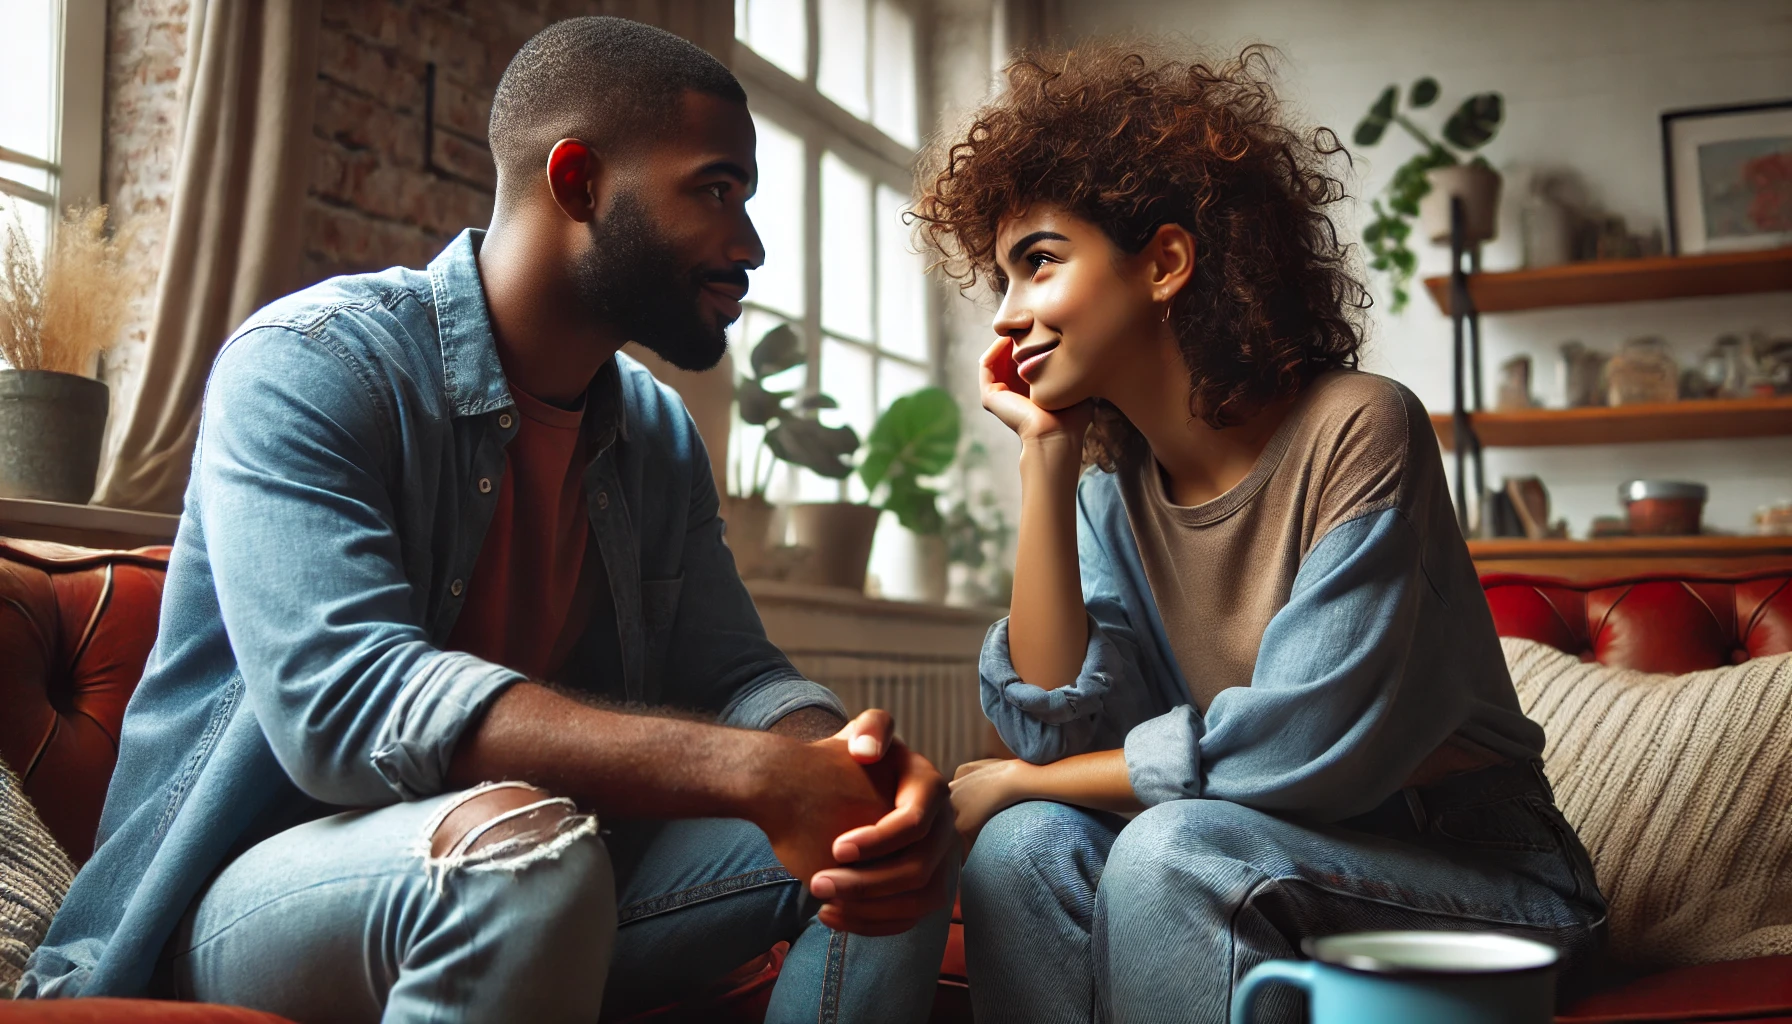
1072 915
346 919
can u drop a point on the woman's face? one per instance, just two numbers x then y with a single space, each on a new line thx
1079 310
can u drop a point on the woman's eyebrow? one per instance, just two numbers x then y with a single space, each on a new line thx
1021 246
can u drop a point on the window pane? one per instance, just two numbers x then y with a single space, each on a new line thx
901 300
845 249
893 72
777 30
777 212
896 379
846 377
28 49
841 73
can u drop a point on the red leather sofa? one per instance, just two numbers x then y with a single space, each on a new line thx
76 627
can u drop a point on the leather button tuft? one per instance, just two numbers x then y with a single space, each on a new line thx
485 485
456 587
505 420
603 499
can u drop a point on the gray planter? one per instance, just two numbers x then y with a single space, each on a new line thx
51 425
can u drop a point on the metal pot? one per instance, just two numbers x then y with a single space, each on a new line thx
1663 508
51 426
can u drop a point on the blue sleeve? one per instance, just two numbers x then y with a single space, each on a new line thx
718 653
291 473
1334 720
1042 725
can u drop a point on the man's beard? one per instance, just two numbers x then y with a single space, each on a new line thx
632 278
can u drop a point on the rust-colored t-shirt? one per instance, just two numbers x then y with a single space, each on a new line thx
538 572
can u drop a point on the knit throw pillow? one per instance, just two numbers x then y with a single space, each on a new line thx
1681 789
34 875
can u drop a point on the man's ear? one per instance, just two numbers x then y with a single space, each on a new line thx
572 178
1171 253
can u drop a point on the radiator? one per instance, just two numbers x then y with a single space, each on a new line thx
933 697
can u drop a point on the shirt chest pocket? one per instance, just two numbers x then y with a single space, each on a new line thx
659 610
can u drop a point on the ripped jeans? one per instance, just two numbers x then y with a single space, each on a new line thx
347 918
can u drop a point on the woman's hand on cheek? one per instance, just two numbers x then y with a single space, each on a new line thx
1009 398
983 789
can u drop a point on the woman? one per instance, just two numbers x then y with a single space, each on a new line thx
1249 670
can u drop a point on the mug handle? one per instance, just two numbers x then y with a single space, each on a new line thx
1299 973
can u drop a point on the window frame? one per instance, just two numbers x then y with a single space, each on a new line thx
800 107
77 134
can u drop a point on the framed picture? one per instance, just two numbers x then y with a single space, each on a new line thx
1729 177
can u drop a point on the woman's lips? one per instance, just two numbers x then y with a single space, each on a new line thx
1030 359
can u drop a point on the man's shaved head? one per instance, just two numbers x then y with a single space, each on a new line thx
608 81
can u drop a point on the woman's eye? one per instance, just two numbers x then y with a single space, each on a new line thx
1038 259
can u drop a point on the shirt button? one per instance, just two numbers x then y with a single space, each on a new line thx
505 420
603 499
485 485
456 587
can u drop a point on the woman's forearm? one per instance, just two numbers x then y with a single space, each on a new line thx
1097 780
1048 627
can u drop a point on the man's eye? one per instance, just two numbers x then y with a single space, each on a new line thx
719 190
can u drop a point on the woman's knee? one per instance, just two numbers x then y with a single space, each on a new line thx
1171 842
1032 843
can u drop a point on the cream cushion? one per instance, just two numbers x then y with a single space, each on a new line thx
34 875
1681 789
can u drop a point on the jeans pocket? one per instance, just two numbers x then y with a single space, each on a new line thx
1510 823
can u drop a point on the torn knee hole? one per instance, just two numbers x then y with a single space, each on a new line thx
514 816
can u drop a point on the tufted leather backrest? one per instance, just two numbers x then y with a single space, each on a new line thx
76 626
1655 623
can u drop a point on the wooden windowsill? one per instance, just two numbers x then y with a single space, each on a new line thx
92 526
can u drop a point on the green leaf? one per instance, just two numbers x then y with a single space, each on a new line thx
916 436
1383 108
1369 131
1423 94
757 405
817 448
1372 233
917 508
1476 121
1404 261
778 350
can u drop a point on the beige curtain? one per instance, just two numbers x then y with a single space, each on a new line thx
239 186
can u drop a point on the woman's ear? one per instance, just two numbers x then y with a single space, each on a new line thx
1171 260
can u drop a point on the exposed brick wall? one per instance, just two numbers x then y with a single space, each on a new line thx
146 43
376 198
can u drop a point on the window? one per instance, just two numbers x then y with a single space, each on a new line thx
52 79
833 86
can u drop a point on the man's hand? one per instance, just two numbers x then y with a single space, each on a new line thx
900 866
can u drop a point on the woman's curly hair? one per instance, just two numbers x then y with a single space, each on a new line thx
1131 141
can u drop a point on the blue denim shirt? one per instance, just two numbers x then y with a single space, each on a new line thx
1384 649
332 520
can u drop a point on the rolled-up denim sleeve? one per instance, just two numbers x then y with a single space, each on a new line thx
1042 725
295 513
1311 734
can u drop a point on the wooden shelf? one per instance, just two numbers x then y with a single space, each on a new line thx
1608 281
1705 420
1612 557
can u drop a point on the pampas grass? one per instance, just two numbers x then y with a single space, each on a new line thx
61 314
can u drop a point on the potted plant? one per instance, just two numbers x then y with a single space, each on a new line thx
1423 186
915 438
793 435
56 316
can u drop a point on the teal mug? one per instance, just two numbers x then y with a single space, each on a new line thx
1414 978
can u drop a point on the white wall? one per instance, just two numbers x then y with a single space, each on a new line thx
1585 82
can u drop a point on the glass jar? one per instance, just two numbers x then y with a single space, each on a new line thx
1643 371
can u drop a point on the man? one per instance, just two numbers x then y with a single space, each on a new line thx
438 534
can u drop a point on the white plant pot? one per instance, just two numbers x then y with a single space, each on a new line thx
749 533
1479 188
